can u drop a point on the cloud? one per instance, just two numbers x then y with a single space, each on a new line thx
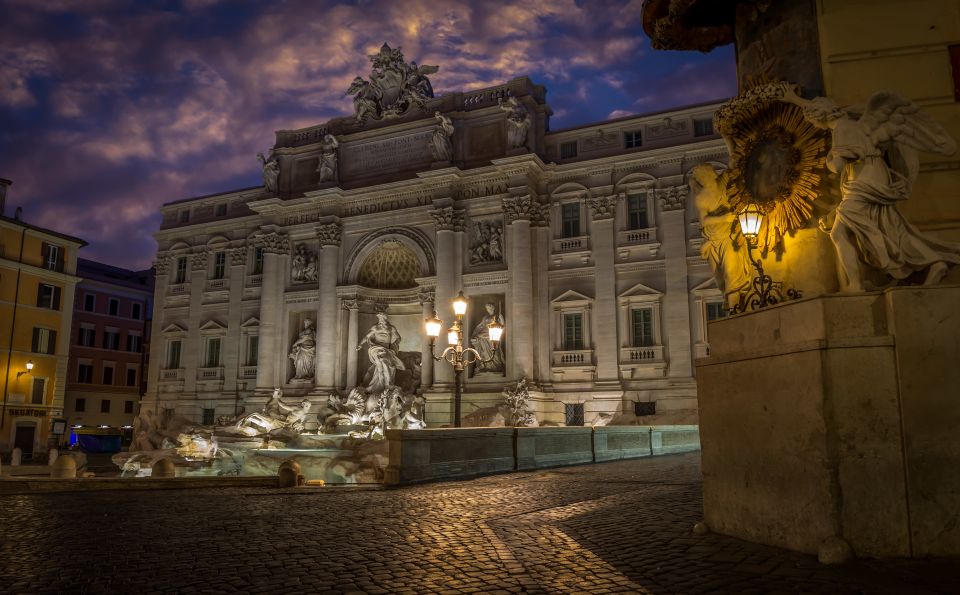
115 108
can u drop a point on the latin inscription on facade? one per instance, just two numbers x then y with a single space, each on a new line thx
385 156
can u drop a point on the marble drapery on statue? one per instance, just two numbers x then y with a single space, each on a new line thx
875 151
303 352
275 415
518 122
724 247
441 147
480 340
271 171
328 159
382 342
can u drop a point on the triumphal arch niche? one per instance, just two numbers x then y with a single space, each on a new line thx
367 223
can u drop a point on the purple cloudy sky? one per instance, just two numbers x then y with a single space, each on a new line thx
109 108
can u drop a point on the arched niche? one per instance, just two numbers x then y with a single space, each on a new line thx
405 248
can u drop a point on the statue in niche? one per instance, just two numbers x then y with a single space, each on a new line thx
875 151
303 266
382 342
723 245
480 340
441 147
275 415
487 245
328 159
518 122
271 171
304 351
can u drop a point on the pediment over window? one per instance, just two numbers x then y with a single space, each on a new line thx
253 321
212 325
641 291
708 287
172 329
571 296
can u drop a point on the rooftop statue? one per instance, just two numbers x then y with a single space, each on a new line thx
328 159
271 171
875 151
394 86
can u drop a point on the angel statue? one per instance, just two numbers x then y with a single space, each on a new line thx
271 171
875 151
328 159
366 97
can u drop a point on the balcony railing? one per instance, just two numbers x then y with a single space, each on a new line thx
170 374
179 288
248 372
578 244
214 373
637 236
580 358
254 280
641 355
217 284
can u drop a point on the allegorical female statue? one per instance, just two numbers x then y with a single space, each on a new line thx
304 351
383 342
724 247
271 171
440 144
480 340
518 122
328 159
875 150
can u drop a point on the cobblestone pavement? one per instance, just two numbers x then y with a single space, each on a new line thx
614 527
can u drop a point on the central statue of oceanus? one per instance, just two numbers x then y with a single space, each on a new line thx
383 343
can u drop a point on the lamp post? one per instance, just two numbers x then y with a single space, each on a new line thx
764 291
456 354
28 370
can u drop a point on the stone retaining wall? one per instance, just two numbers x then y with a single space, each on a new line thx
447 453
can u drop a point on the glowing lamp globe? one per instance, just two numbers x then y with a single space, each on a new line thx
29 365
453 335
750 219
434 325
495 329
460 305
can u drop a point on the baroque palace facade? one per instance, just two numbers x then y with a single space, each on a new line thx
579 240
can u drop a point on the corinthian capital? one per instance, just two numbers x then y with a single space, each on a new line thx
447 218
672 198
238 256
520 208
273 242
604 207
198 261
329 233
162 264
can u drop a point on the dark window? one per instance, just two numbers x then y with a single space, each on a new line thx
173 355
48 296
641 320
111 340
703 127
955 64
133 343
221 210
131 378
89 302
213 352
258 261
573 331
573 414
52 257
85 373
253 348
113 307
181 270
568 150
39 387
108 375
104 405
80 405
632 139
637 211
208 415
184 216
87 337
715 310
219 265
570 214
135 309
641 408
44 341
128 406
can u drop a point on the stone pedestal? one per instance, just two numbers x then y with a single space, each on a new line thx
836 417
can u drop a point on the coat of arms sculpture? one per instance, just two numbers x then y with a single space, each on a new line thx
394 86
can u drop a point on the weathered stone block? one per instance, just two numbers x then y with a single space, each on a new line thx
611 443
444 453
553 447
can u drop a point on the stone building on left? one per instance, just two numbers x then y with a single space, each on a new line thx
38 279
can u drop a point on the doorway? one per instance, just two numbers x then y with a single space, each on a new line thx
23 439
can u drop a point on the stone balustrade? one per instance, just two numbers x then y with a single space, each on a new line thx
449 453
578 244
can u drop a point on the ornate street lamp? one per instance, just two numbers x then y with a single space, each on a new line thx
764 291
28 370
456 354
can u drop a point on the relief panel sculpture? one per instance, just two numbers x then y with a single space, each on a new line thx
486 242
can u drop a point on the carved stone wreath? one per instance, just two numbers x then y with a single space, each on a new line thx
776 159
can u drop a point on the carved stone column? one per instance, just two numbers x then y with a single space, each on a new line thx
676 301
518 211
447 220
269 367
603 238
192 358
352 306
232 349
426 358
327 314
157 342
541 265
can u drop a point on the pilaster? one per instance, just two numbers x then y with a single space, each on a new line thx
327 312
603 236
274 245
190 354
353 337
426 355
518 212
676 299
232 348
